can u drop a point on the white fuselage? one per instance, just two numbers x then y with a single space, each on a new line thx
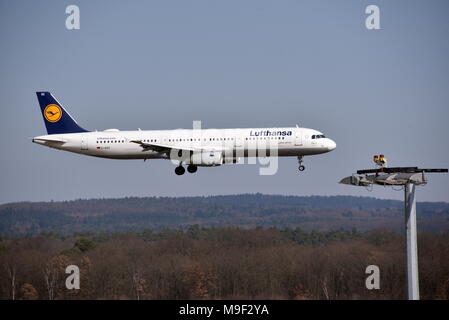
115 144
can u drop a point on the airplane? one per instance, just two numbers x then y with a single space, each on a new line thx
192 147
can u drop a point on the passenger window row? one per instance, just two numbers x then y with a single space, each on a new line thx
205 139
265 138
111 141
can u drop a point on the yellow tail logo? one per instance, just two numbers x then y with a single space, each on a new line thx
52 113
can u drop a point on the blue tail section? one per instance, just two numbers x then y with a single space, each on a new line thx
56 118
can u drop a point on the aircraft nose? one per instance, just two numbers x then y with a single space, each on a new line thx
331 145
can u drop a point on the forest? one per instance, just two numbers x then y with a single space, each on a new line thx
249 246
246 210
220 263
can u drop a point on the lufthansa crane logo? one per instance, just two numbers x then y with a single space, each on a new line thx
52 113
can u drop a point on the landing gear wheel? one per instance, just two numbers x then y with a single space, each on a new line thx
191 168
180 170
301 167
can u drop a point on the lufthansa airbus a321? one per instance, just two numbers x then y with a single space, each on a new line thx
192 147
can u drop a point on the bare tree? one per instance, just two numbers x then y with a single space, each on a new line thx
11 271
53 271
138 283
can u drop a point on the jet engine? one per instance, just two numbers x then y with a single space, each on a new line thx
206 158
231 159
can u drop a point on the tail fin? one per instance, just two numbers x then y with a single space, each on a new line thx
56 118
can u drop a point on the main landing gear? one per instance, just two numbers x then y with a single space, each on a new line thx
300 161
180 170
190 168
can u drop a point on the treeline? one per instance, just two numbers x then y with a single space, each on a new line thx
157 213
220 263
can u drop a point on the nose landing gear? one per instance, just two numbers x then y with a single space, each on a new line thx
300 161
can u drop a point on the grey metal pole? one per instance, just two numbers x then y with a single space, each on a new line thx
412 248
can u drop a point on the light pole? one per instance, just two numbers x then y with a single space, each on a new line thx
412 243
408 177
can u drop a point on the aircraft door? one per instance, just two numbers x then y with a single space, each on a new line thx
84 143
238 142
298 138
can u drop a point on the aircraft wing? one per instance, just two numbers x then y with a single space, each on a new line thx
167 148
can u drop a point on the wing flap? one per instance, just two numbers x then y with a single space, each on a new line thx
166 148
158 147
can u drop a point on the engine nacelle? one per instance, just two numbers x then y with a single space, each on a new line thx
231 159
206 158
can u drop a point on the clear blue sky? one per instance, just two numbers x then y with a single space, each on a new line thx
162 64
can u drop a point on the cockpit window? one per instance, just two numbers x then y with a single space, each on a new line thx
313 137
318 136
